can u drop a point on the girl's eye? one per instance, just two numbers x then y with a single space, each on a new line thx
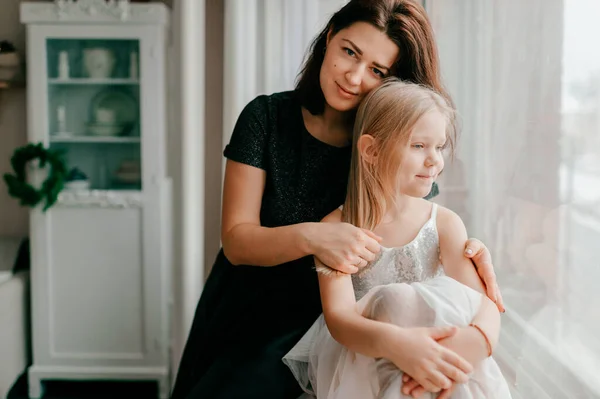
419 146
350 52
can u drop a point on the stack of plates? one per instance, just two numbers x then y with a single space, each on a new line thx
105 129
123 107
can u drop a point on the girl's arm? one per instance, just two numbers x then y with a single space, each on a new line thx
414 351
469 342
246 242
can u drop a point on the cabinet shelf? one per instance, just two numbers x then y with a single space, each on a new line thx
94 139
90 81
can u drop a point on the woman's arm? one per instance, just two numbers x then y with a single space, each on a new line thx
471 343
413 350
246 242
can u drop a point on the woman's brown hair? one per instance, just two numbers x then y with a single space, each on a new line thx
406 24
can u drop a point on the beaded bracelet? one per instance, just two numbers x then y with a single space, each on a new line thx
487 341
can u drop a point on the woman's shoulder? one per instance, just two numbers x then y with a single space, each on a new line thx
273 103
263 111
268 111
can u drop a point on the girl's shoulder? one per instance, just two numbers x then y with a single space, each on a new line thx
448 222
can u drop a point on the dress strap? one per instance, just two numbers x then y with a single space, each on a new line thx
434 210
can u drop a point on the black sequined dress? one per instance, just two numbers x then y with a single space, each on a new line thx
249 317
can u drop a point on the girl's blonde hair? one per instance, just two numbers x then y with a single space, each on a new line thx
388 113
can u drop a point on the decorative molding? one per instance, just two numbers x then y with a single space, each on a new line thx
69 8
100 199
105 11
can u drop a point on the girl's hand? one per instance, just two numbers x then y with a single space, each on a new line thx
344 247
412 388
467 343
480 255
417 353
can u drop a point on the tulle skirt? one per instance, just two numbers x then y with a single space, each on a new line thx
328 370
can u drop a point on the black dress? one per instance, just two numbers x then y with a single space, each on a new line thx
249 317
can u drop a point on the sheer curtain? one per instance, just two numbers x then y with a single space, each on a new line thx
526 77
265 44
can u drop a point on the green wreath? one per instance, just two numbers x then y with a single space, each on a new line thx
51 187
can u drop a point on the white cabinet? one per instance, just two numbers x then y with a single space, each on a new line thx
101 255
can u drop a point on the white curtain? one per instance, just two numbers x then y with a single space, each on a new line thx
526 77
186 138
265 44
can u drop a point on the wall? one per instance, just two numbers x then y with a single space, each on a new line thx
14 219
215 10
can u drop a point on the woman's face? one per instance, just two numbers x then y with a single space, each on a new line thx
356 60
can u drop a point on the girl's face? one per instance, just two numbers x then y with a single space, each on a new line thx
356 60
421 159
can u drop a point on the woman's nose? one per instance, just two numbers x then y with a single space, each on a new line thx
355 75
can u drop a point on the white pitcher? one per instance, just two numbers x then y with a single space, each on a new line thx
98 62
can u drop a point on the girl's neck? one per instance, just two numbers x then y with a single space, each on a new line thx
403 221
402 205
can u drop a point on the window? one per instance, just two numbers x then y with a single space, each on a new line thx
526 79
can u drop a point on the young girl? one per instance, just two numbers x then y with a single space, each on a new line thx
420 278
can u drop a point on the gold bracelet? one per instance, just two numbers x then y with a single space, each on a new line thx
487 341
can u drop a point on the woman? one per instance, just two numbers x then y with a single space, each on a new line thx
287 167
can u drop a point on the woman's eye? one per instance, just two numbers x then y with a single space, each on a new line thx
350 52
419 146
378 73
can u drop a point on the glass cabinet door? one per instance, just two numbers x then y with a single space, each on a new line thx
94 111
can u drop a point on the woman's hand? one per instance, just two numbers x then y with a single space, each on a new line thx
480 255
417 352
343 247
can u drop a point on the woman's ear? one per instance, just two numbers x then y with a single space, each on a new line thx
367 147
329 36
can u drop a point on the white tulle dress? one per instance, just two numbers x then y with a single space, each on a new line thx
405 286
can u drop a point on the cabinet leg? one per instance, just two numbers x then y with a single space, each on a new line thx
164 388
36 386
